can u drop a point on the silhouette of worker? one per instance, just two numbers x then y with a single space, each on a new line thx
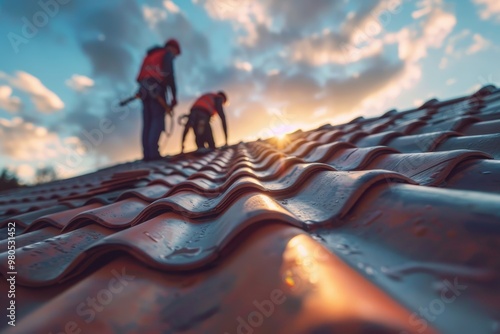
203 109
156 74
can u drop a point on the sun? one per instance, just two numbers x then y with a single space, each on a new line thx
281 136
280 132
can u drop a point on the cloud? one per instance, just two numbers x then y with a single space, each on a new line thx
452 43
245 15
296 41
153 15
261 23
357 37
25 171
43 98
79 83
192 66
8 102
110 59
299 27
171 7
106 133
243 66
418 102
24 145
489 9
288 98
261 102
457 47
108 37
369 20
434 26
331 48
26 142
290 82
435 29
426 7
480 44
380 82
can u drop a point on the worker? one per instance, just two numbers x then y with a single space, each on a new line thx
203 109
156 74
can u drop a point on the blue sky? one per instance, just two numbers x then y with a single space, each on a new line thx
286 64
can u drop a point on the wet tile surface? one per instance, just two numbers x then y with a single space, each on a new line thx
382 225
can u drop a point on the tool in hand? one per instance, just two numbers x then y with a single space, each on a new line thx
123 103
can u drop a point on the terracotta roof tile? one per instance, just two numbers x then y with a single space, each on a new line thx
356 158
489 144
349 228
115 216
408 127
224 298
420 143
483 128
429 169
476 175
381 138
61 218
48 262
26 219
456 124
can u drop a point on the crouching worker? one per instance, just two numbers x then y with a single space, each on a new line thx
202 111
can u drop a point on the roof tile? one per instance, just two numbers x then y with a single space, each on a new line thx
404 204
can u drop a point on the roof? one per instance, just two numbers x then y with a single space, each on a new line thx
382 225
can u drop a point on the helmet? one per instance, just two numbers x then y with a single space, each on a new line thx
223 95
173 43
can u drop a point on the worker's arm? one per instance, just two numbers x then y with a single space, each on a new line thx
168 66
220 110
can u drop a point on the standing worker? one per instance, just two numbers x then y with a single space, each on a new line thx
204 108
156 74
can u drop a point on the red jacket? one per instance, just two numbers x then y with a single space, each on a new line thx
207 103
152 67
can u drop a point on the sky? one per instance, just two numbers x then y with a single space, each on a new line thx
285 65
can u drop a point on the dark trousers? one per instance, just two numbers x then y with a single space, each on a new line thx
200 122
153 117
